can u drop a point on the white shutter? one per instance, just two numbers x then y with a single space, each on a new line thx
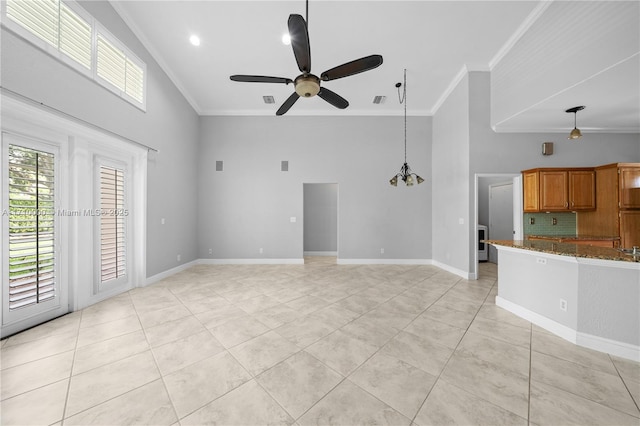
31 227
38 16
111 63
112 224
75 36
135 81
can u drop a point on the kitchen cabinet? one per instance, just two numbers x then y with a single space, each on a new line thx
618 204
558 190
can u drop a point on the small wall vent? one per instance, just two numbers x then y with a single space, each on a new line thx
268 100
219 166
284 166
379 99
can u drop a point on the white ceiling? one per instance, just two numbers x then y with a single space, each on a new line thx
434 40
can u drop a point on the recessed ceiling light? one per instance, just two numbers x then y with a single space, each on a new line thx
268 99
286 39
195 40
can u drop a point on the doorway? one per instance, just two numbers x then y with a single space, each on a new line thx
320 218
500 215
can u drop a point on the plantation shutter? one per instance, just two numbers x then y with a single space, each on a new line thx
75 36
39 17
55 23
31 227
112 225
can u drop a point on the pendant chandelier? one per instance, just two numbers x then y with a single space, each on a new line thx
405 174
575 133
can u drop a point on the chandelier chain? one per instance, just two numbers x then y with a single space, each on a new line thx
403 100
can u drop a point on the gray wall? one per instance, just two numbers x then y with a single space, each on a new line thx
169 125
320 217
450 162
248 206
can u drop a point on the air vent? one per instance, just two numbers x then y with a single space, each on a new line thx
268 100
219 166
284 166
379 99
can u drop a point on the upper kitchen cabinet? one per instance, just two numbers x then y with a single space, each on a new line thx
559 190
629 186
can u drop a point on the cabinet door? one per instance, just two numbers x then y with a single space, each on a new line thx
553 191
530 189
629 184
582 190
629 228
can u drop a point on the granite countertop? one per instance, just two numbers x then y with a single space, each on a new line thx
573 237
568 249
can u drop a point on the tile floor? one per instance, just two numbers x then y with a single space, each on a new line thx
309 344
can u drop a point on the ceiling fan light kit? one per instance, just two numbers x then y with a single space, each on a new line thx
575 133
307 85
405 174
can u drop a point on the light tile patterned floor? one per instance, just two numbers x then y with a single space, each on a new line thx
318 343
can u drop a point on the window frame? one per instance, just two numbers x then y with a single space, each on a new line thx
92 72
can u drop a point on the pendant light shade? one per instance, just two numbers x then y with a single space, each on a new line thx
405 174
575 133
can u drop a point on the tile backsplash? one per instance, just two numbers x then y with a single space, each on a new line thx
543 224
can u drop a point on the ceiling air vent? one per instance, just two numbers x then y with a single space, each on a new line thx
379 99
268 100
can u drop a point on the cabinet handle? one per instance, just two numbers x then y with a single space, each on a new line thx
566 204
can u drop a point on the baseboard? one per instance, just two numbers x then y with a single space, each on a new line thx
601 344
169 272
251 261
567 333
459 272
320 253
613 347
383 261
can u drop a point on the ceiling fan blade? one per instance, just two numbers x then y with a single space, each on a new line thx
260 79
288 104
354 67
300 42
333 98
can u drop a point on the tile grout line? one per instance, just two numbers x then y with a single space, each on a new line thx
73 361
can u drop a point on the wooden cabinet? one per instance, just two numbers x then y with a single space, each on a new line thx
558 190
629 187
618 204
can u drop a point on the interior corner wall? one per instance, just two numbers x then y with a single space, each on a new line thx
169 124
450 163
249 205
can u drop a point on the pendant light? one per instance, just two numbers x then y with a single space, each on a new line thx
575 133
407 176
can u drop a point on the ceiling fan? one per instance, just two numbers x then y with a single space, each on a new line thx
306 84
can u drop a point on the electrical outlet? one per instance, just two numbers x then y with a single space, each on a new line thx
179 257
381 251
210 251
541 260
563 305
554 221
261 250
532 221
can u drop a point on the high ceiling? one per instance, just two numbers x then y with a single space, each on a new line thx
434 40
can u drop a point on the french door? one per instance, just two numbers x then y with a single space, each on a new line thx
32 290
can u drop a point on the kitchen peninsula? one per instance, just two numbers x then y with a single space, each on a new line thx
588 295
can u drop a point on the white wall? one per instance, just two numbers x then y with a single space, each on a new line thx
249 205
169 125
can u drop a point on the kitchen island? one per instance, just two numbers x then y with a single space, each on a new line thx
588 295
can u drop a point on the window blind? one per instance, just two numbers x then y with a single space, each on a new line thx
119 69
31 227
112 224
75 36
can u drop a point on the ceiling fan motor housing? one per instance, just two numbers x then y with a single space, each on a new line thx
307 85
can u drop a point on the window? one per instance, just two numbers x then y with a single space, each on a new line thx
118 69
112 224
32 258
69 33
